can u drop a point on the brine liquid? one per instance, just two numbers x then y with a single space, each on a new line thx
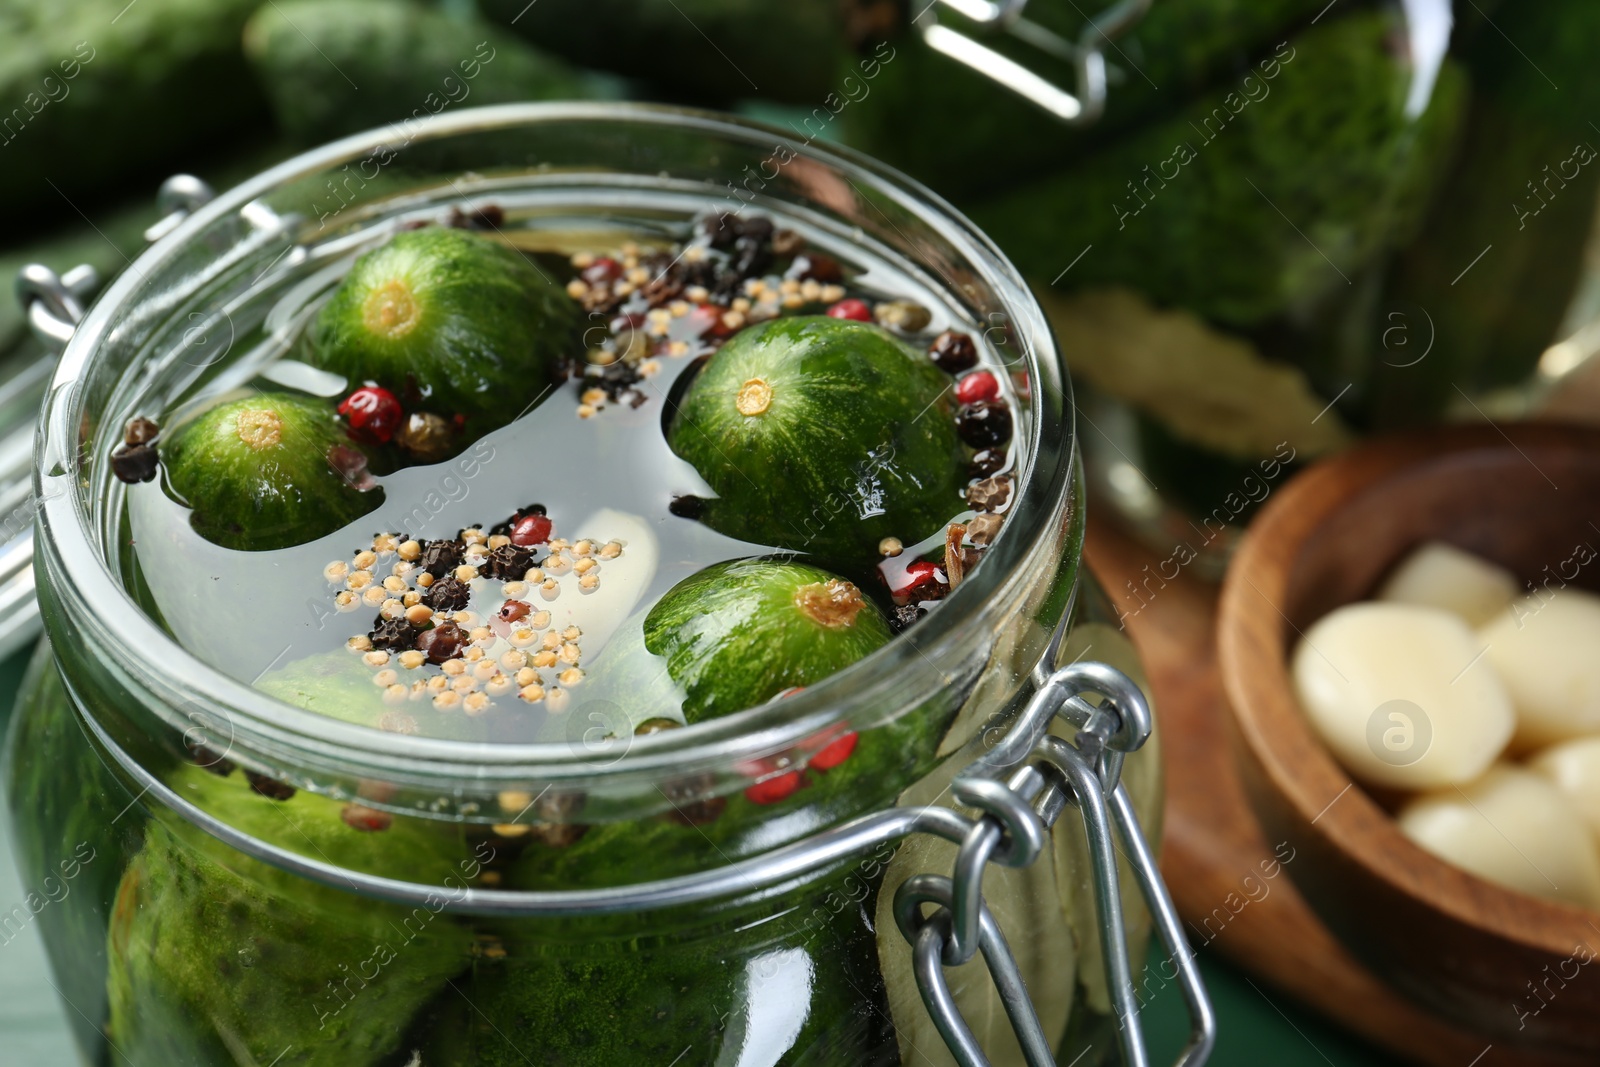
603 473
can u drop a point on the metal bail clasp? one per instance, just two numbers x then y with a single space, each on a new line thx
1078 108
1018 812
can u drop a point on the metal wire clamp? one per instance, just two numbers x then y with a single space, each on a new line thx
1078 108
1017 815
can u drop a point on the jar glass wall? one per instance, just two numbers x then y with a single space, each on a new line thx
259 880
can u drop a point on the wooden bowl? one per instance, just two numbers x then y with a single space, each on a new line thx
1488 959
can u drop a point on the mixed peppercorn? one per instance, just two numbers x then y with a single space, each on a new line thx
425 617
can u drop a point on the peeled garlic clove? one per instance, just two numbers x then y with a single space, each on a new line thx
1442 576
1544 647
1511 827
1401 696
1574 768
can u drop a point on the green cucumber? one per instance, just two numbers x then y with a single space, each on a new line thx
333 68
739 633
219 958
451 322
947 125
794 980
1240 209
81 85
699 49
823 436
64 840
257 472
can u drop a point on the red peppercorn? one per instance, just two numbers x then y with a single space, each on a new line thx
605 269
917 575
531 530
851 308
836 752
780 787
979 385
373 414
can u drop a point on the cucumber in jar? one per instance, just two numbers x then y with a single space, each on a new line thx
739 633
267 471
1249 203
823 436
452 323
790 984
216 957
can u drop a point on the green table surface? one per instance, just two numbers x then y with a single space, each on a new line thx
1257 1026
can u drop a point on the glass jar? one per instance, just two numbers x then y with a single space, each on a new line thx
247 881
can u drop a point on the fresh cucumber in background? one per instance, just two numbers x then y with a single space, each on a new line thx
334 67
96 92
952 128
1266 210
710 51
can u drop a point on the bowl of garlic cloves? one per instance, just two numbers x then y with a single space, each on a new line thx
1409 640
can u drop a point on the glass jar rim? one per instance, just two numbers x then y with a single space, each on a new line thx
106 613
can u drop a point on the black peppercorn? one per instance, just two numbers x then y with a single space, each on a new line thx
721 230
953 352
758 228
687 506
134 463
903 616
448 594
393 635
988 461
509 562
439 558
445 641
270 788
751 256
984 424
209 760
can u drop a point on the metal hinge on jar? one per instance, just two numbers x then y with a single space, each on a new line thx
1079 107
1050 775
54 305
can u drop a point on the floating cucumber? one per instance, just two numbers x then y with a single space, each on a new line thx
218 958
332 68
261 472
449 321
946 124
822 435
1241 207
739 633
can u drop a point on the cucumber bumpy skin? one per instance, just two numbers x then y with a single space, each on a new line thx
824 436
218 958
739 633
450 322
257 473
